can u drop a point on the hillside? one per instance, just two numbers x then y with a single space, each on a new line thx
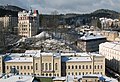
9 10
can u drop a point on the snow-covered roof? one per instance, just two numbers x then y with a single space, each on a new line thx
112 45
70 78
35 53
20 59
91 37
59 79
17 78
42 35
76 59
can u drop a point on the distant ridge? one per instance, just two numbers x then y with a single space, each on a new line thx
105 13
9 10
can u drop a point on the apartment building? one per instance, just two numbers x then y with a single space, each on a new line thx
34 62
9 22
111 51
90 42
28 23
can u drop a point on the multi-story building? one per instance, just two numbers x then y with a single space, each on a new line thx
90 43
110 35
111 51
9 22
34 62
28 23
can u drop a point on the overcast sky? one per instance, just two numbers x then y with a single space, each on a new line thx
66 6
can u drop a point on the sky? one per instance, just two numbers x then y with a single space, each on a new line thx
65 6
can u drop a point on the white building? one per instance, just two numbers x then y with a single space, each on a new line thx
28 23
111 51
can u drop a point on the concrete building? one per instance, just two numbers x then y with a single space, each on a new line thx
9 23
28 23
111 51
34 62
90 42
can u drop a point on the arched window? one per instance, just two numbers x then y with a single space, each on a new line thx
95 66
72 67
98 66
83 67
86 66
76 67
68 67
79 66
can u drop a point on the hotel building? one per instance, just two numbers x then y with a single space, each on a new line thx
28 23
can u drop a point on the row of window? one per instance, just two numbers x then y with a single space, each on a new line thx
19 67
48 66
50 74
84 67
82 73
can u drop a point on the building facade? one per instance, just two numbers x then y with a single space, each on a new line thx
28 23
90 43
111 51
9 22
54 64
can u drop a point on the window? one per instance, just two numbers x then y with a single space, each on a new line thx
76 67
17 67
72 67
86 66
76 73
46 68
79 66
95 66
24 67
101 66
50 74
49 66
72 73
90 67
21 67
28 67
7 67
55 66
36 66
68 73
68 67
98 66
83 67
79 73
42 66
31 67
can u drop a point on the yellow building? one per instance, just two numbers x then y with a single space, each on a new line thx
34 62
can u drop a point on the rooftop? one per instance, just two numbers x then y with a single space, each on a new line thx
112 45
91 37
20 59
76 59
17 78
